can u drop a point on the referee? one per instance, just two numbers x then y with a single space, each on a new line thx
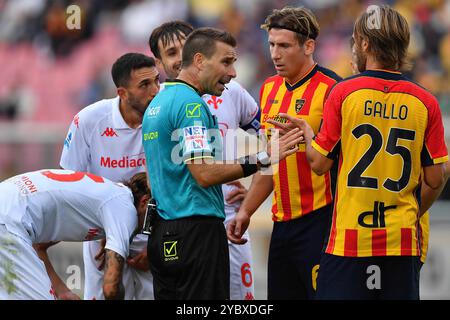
188 249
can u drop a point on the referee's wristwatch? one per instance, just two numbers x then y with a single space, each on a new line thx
263 159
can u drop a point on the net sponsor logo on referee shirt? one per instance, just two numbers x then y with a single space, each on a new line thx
195 138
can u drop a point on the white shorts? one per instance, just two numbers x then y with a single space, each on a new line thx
138 284
241 271
22 273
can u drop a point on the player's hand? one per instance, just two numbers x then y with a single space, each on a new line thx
237 227
281 147
237 194
100 256
139 261
291 124
68 295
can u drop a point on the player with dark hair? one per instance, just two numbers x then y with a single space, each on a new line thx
105 138
188 249
235 108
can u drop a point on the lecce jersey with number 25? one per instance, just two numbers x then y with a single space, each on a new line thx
388 129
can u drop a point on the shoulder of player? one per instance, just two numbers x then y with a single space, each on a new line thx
94 113
116 193
408 86
420 92
329 73
275 78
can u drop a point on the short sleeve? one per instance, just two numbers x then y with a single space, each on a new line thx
434 150
250 114
76 149
328 139
119 218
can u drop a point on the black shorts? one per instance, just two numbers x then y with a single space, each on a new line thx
294 255
368 278
189 259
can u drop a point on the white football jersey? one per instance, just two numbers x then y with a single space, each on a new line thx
65 205
99 141
234 109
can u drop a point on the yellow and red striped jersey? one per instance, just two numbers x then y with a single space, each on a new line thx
424 235
297 189
388 129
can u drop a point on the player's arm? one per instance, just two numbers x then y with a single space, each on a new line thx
260 189
140 261
210 174
428 194
61 290
112 280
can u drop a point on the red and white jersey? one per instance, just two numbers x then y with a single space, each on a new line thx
100 142
65 205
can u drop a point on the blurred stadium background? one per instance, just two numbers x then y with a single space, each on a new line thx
48 73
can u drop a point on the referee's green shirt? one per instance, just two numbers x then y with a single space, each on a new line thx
178 127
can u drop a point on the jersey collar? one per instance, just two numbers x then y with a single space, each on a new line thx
178 81
117 119
383 74
305 78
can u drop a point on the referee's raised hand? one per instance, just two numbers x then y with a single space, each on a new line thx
282 146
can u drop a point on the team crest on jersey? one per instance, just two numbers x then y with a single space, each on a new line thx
299 103
215 101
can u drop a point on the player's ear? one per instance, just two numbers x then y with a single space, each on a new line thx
143 201
199 60
122 93
309 46
159 64
364 45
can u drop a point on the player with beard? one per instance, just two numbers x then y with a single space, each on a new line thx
390 135
105 138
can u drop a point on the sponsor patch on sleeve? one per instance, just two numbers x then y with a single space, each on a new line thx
195 142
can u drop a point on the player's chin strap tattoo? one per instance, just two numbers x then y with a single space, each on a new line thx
113 288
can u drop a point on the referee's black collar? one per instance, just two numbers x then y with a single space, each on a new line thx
308 76
186 83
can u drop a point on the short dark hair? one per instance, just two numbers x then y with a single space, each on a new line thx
138 186
203 40
166 32
121 69
296 19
